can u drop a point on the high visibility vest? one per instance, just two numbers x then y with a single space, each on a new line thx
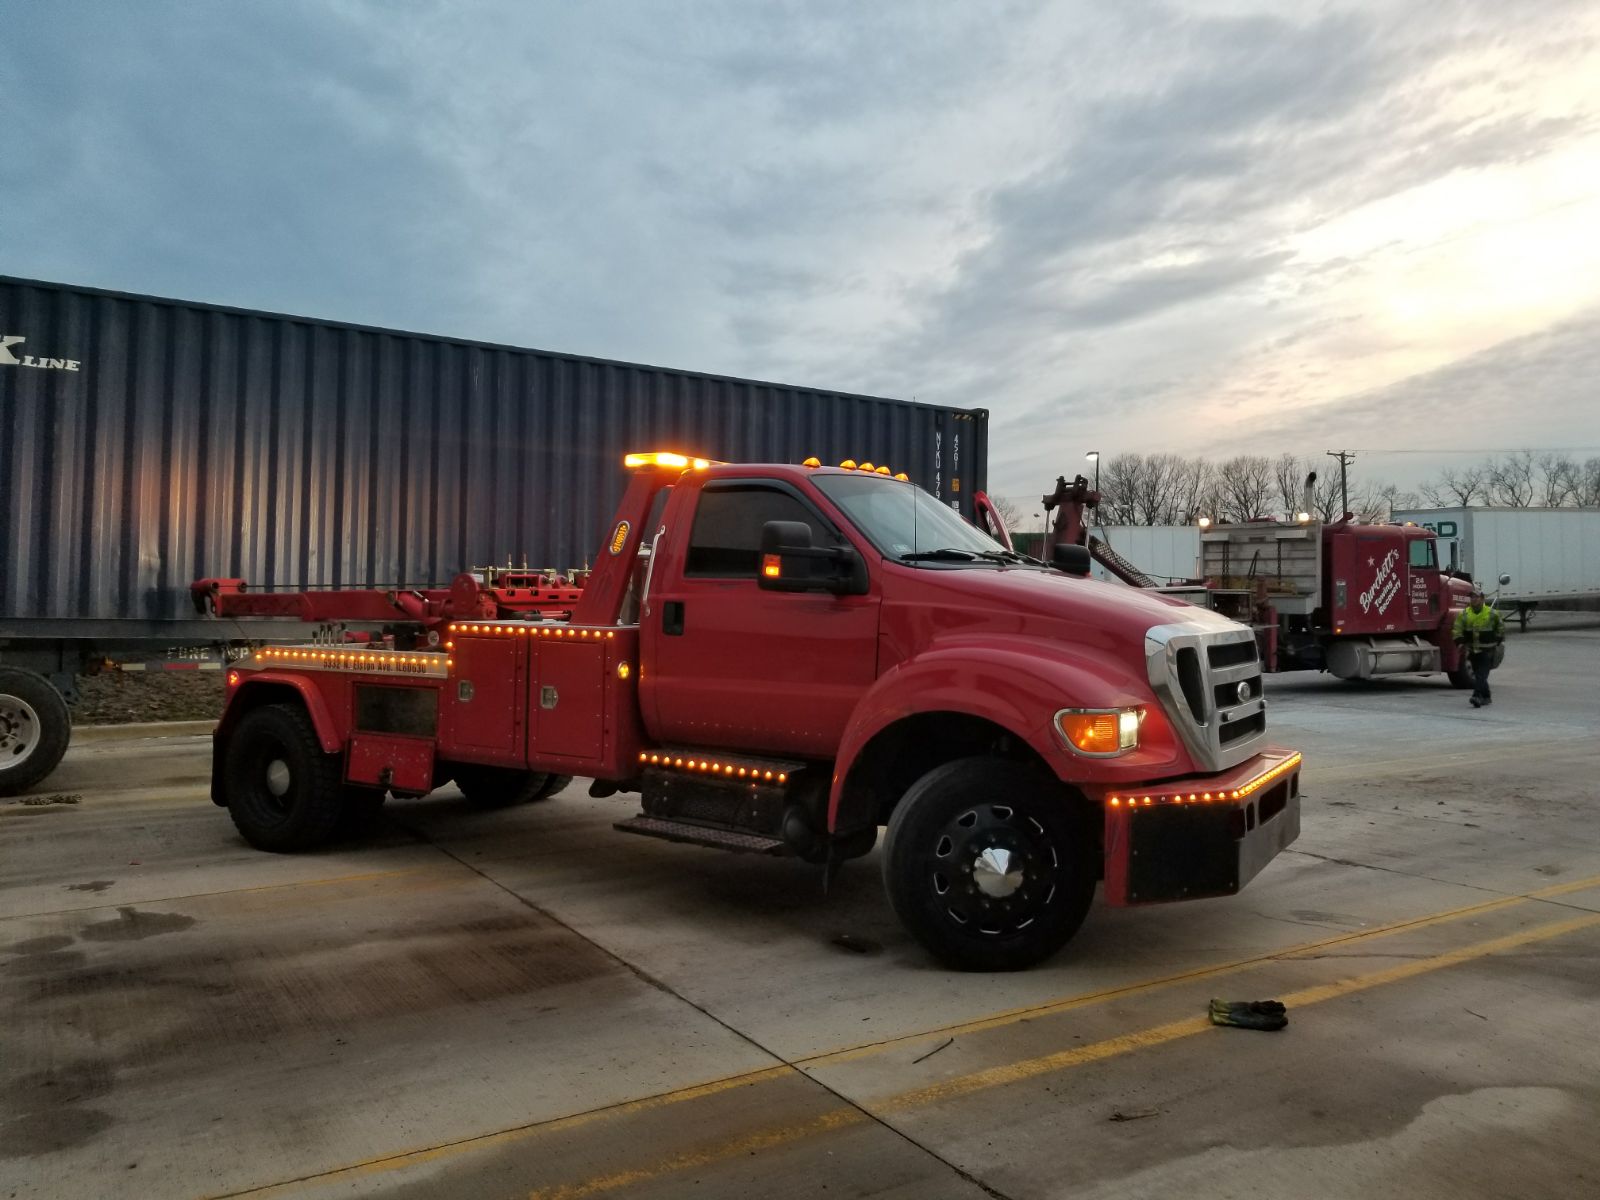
1481 630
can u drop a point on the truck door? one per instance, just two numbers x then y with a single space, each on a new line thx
728 664
1425 583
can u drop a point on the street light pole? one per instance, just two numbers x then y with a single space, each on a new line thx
1094 457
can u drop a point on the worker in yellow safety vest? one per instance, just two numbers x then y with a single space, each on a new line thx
1479 630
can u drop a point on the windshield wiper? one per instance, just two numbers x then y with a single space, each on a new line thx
951 554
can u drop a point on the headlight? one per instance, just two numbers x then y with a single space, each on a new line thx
1100 732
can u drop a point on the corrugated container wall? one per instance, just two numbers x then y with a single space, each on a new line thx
145 443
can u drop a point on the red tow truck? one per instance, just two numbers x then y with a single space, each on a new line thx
781 659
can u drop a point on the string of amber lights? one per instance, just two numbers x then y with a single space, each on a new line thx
1238 793
712 767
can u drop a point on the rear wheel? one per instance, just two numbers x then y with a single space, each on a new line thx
989 864
504 787
282 791
34 729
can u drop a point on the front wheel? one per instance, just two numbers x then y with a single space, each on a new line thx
990 864
34 729
1462 678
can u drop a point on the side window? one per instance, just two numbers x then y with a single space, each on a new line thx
1424 556
725 542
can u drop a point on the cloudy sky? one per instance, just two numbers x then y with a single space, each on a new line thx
1207 227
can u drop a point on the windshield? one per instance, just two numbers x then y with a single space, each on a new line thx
902 519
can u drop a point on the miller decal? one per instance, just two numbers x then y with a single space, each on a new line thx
620 538
10 358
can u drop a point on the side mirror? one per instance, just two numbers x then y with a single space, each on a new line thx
790 563
1071 558
1504 579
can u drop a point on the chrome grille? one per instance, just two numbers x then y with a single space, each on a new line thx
1196 667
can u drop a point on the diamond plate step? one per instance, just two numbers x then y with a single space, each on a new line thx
700 835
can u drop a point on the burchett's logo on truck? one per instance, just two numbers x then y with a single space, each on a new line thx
9 357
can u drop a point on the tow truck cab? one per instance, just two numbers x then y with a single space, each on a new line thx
783 659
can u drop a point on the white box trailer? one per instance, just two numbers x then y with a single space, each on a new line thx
1166 553
1551 554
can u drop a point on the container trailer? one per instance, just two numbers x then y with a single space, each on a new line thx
147 443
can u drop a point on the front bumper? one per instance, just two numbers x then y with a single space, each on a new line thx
1207 835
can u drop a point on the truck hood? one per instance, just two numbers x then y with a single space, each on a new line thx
1093 603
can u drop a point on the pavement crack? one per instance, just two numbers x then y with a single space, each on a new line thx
667 989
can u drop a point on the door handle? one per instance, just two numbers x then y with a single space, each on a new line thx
672 618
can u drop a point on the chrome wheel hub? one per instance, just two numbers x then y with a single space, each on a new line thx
19 731
278 777
997 873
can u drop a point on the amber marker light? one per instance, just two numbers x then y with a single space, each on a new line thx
664 458
623 670
771 566
813 461
1100 733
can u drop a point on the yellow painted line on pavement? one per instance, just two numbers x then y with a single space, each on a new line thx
413 1157
1067 1004
1391 766
766 1139
1017 1072
1028 1068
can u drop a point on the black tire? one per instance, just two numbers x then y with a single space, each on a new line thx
282 791
553 785
35 728
1461 678
931 855
500 787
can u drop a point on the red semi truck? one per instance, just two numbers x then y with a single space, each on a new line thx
781 659
1358 601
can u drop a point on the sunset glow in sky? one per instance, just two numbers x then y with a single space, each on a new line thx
1198 227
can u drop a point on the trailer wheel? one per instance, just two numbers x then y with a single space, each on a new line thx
283 792
989 864
34 729
502 787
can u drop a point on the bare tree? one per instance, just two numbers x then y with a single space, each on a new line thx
1511 479
1121 480
1010 512
1456 487
1588 489
1327 502
1194 492
1290 478
1559 480
1159 489
1245 484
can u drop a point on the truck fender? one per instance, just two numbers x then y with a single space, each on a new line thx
266 687
1010 682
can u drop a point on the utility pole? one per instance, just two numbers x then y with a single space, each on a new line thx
1345 457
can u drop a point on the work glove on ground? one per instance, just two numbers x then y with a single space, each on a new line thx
1249 1014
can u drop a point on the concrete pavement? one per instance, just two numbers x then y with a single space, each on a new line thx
523 1003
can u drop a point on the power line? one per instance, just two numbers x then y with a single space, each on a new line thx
1496 450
